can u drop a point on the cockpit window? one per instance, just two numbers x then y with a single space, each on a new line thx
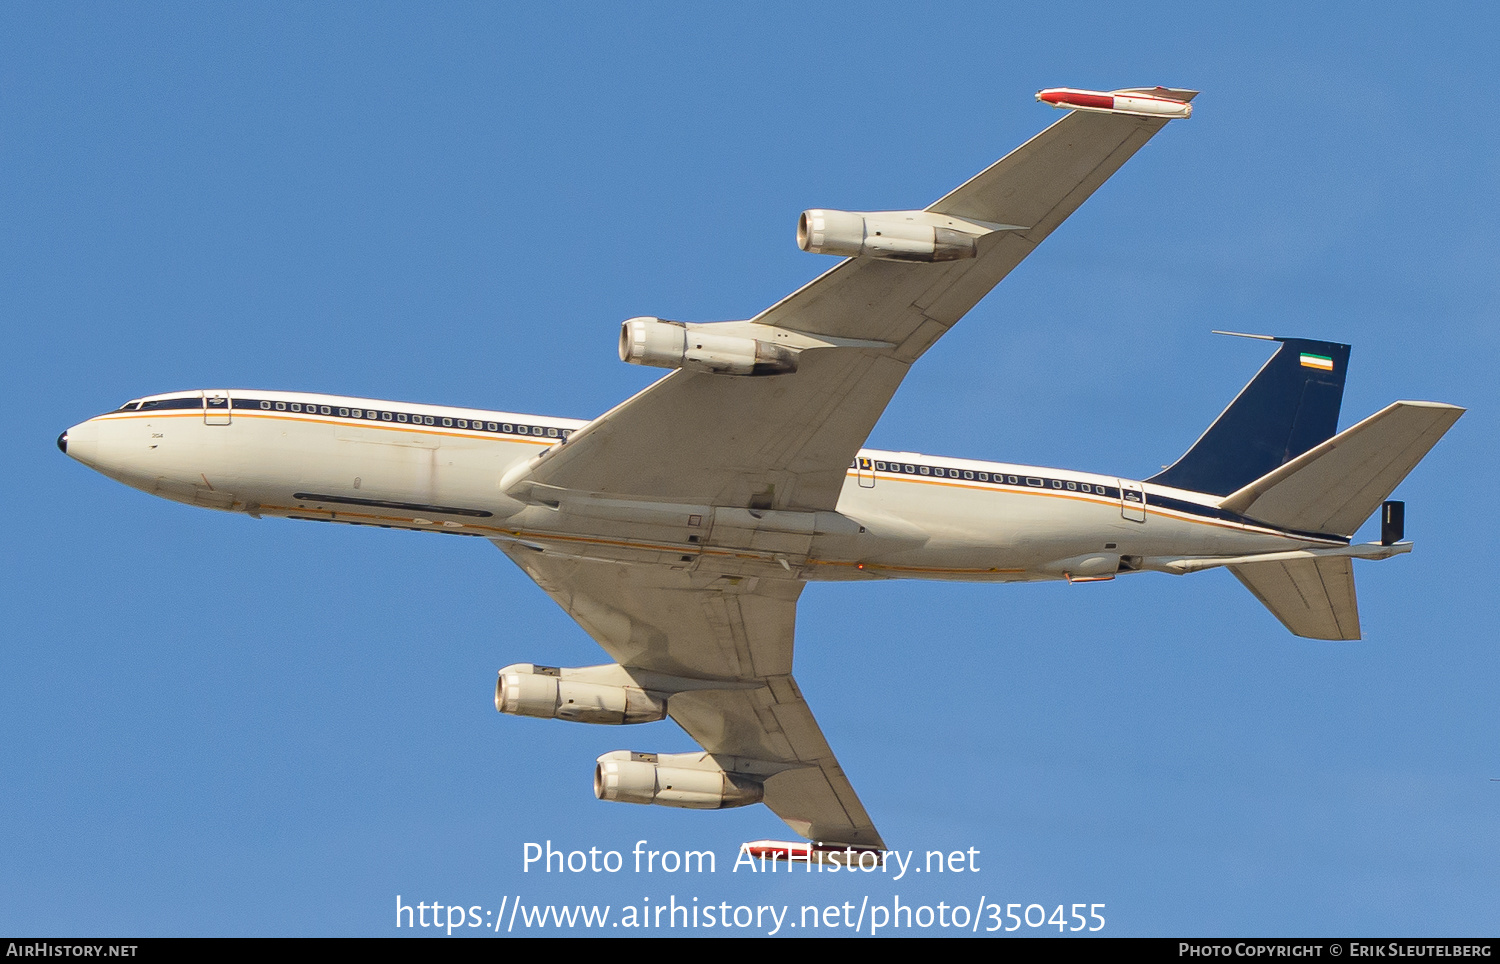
130 406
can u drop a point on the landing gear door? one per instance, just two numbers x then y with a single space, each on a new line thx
865 469
216 408
1132 501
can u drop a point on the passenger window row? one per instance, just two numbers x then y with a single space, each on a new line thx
364 414
381 415
993 478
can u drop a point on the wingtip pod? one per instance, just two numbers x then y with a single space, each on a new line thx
1164 102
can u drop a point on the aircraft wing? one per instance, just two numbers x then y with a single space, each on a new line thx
745 444
737 634
785 441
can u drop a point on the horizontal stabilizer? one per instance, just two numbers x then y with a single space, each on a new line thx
1313 598
1335 486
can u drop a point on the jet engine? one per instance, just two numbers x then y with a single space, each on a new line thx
524 689
676 344
690 780
887 235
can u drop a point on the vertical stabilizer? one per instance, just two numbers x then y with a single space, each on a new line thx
1290 406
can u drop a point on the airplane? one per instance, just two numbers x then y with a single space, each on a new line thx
679 528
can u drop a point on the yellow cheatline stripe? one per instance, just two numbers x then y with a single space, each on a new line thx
1165 513
990 487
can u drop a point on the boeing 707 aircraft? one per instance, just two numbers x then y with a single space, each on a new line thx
679 528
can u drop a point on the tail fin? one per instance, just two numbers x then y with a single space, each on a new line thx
1335 486
1290 406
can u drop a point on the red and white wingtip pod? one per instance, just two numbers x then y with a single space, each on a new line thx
1160 102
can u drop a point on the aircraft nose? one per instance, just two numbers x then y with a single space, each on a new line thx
80 442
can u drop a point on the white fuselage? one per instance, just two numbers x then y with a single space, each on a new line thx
440 469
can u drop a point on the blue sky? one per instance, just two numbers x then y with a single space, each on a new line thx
217 725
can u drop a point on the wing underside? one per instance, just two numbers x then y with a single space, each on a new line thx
733 632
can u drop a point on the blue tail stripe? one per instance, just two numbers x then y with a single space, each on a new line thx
1290 406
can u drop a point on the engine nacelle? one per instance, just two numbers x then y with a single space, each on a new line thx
676 344
690 780
888 235
545 692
